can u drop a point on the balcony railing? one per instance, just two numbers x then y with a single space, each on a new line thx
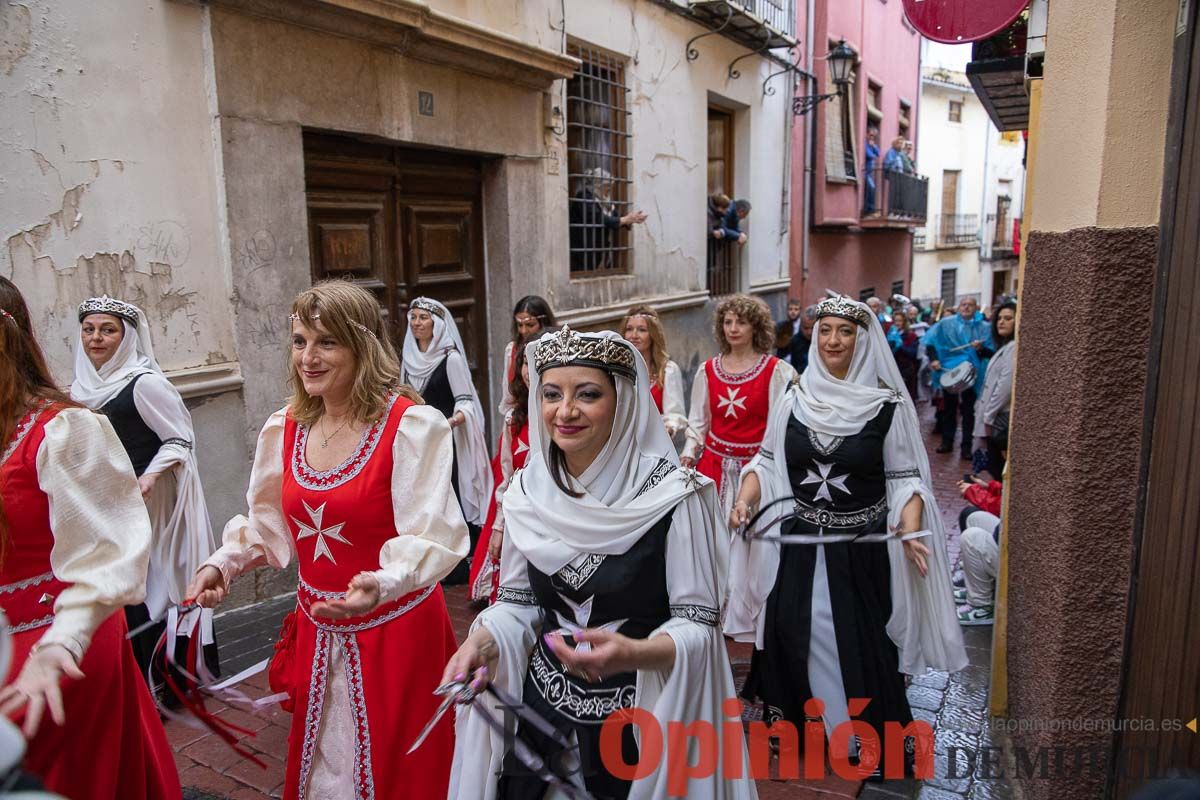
1007 237
724 267
778 14
957 230
894 197
758 25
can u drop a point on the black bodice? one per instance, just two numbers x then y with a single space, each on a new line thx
840 485
140 442
626 593
437 392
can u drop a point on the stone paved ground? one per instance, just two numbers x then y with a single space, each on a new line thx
955 705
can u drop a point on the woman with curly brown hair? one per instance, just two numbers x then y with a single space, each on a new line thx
733 393
352 479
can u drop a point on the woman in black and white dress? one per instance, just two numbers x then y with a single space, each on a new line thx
117 375
611 579
435 364
848 619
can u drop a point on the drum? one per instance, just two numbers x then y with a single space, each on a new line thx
958 379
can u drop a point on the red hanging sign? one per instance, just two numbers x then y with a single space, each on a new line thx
960 21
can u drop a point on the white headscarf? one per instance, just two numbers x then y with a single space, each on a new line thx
418 366
620 501
134 356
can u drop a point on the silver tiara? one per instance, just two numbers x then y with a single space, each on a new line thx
359 325
568 348
427 305
106 305
845 308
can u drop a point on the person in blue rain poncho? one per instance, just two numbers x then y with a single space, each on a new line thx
953 340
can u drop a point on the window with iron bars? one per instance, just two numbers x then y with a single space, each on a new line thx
598 164
866 294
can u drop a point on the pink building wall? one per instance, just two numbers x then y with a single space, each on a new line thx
842 255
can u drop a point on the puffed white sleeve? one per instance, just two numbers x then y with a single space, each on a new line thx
781 378
700 681
100 524
262 536
161 407
507 401
699 416
674 413
431 535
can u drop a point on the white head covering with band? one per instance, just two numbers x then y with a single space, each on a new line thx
629 486
135 355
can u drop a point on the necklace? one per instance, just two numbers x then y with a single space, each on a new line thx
325 443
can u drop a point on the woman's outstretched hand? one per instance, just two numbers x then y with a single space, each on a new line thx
474 661
208 588
362 597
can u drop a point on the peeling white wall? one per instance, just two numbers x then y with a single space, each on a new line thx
107 180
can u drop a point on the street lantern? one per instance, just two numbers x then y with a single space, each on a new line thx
840 62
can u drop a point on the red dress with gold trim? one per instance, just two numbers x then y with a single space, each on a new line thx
738 409
485 577
113 746
391 659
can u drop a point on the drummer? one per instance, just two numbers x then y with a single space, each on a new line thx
953 341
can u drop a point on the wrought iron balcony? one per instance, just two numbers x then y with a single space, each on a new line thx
758 25
894 199
957 230
724 274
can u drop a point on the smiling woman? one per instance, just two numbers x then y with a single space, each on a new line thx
353 477
116 374
610 588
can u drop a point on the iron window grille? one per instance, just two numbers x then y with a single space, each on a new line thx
897 288
866 294
598 163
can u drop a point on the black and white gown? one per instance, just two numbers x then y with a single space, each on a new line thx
825 628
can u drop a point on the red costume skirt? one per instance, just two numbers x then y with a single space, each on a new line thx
113 746
393 659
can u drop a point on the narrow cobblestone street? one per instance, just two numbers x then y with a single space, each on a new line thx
955 705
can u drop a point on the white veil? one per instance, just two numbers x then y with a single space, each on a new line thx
134 356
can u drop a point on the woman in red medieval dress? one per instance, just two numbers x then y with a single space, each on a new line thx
733 393
353 477
510 457
74 545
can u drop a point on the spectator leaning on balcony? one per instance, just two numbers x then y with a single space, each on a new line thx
733 220
718 207
872 153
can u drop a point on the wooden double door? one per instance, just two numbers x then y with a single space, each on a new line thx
402 223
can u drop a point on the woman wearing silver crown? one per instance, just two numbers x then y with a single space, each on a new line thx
611 582
842 462
117 375
435 364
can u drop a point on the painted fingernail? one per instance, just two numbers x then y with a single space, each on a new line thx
462 676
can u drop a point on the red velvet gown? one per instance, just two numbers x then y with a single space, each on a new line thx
738 407
519 449
113 746
393 657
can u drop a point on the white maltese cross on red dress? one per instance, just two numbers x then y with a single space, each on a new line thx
318 530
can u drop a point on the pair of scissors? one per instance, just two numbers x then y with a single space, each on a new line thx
452 692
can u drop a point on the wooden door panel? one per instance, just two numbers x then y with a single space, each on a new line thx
401 223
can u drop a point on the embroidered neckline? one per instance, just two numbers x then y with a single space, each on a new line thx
22 430
735 378
823 449
319 480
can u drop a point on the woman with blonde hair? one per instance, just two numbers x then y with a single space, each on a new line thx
352 478
643 329
733 393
